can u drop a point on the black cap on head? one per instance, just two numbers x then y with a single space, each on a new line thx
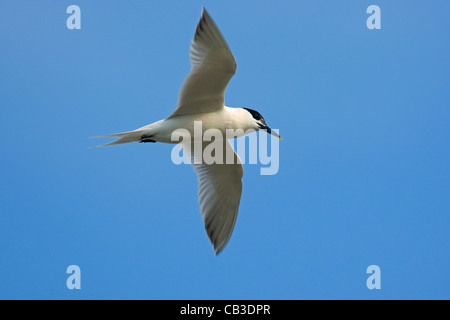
255 114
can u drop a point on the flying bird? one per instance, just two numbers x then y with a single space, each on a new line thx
201 98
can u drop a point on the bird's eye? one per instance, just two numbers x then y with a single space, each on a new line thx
255 114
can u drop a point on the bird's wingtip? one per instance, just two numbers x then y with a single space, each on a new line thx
218 249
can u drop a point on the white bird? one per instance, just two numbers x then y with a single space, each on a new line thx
201 98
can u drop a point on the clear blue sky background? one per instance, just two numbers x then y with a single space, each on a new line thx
364 167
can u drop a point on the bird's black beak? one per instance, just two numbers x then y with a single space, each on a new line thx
265 127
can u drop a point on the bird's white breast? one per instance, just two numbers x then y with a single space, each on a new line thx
222 120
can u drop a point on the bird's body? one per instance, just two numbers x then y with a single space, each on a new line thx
201 100
222 120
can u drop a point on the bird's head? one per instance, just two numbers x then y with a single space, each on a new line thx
259 123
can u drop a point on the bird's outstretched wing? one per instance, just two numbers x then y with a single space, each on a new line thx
219 193
212 67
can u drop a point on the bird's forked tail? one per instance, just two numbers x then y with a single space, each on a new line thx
124 137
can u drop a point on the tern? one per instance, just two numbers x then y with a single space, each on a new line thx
201 98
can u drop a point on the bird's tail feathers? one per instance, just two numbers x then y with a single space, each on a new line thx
124 137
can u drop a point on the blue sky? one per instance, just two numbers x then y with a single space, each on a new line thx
363 176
